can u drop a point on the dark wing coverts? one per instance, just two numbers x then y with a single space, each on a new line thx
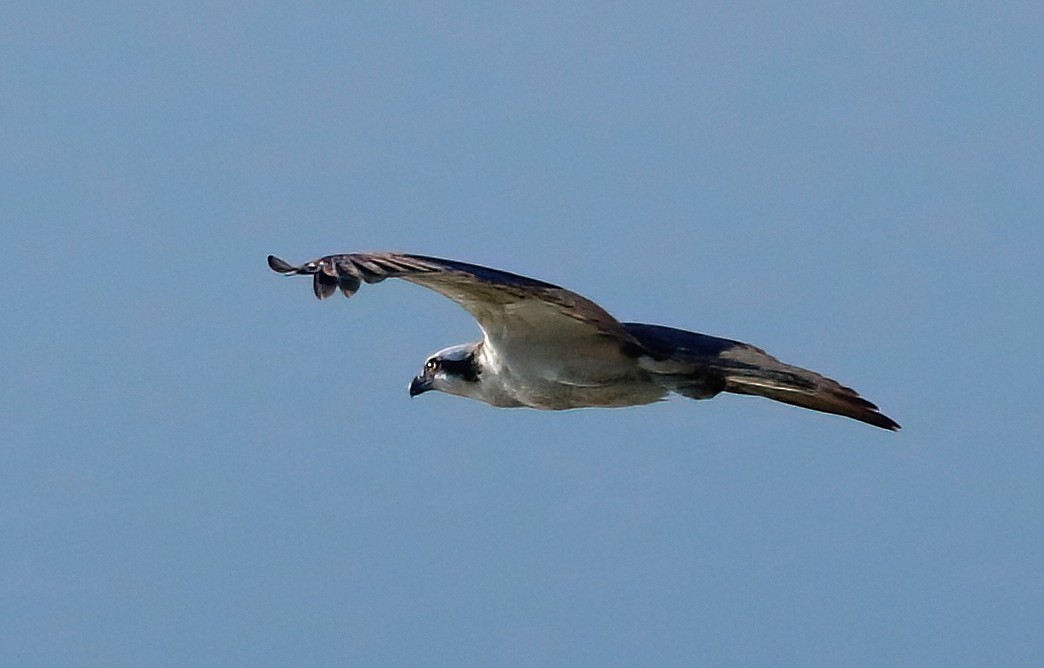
745 369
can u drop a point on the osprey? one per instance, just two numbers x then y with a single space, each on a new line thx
546 347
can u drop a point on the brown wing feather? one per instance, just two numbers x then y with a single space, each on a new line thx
488 294
813 391
718 364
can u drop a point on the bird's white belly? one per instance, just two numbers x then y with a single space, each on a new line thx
575 382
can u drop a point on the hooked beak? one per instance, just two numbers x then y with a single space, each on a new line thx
419 385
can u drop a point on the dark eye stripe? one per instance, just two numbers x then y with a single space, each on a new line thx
464 368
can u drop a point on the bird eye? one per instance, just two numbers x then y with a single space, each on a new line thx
431 365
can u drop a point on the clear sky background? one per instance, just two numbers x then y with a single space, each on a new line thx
201 464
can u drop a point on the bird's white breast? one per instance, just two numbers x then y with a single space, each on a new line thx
572 374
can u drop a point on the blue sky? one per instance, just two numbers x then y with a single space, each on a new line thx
201 464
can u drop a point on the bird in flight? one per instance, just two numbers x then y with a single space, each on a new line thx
547 347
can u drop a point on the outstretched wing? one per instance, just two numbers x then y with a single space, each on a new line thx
699 366
508 307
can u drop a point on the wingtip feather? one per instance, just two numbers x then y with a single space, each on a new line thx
886 422
280 266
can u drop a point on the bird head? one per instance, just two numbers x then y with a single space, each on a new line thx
453 370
